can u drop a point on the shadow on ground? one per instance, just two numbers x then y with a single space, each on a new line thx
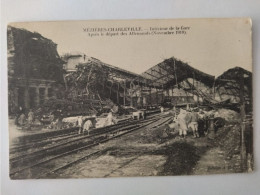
181 156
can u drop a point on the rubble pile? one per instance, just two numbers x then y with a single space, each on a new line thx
228 143
228 115
65 107
154 135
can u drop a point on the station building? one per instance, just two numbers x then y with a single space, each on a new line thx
35 69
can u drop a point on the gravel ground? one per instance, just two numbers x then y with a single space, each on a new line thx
147 152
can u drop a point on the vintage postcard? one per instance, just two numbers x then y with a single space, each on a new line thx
128 98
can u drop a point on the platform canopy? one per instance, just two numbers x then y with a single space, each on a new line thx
229 83
172 71
234 75
118 73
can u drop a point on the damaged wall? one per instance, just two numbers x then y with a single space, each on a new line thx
35 69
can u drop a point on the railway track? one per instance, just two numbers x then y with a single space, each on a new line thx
21 164
28 142
95 152
46 143
49 140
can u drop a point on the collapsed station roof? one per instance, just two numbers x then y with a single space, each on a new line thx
117 72
234 75
229 82
172 71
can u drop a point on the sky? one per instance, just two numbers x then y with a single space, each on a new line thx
210 45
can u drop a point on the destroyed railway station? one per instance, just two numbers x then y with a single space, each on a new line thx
74 116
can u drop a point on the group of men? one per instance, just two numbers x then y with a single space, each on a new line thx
84 125
195 120
186 120
21 118
88 124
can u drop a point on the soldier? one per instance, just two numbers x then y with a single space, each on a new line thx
202 128
182 123
80 124
194 123
87 126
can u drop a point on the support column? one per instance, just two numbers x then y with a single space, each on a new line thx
150 95
162 95
198 97
117 94
124 91
174 101
156 96
131 95
193 85
111 90
46 97
37 96
16 97
26 98
214 88
144 101
141 95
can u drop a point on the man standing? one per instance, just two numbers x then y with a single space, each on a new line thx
162 109
194 123
110 119
30 117
18 114
87 126
182 123
80 123
22 119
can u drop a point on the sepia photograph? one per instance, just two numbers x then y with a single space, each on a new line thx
130 98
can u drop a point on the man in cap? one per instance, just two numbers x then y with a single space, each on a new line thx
194 123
